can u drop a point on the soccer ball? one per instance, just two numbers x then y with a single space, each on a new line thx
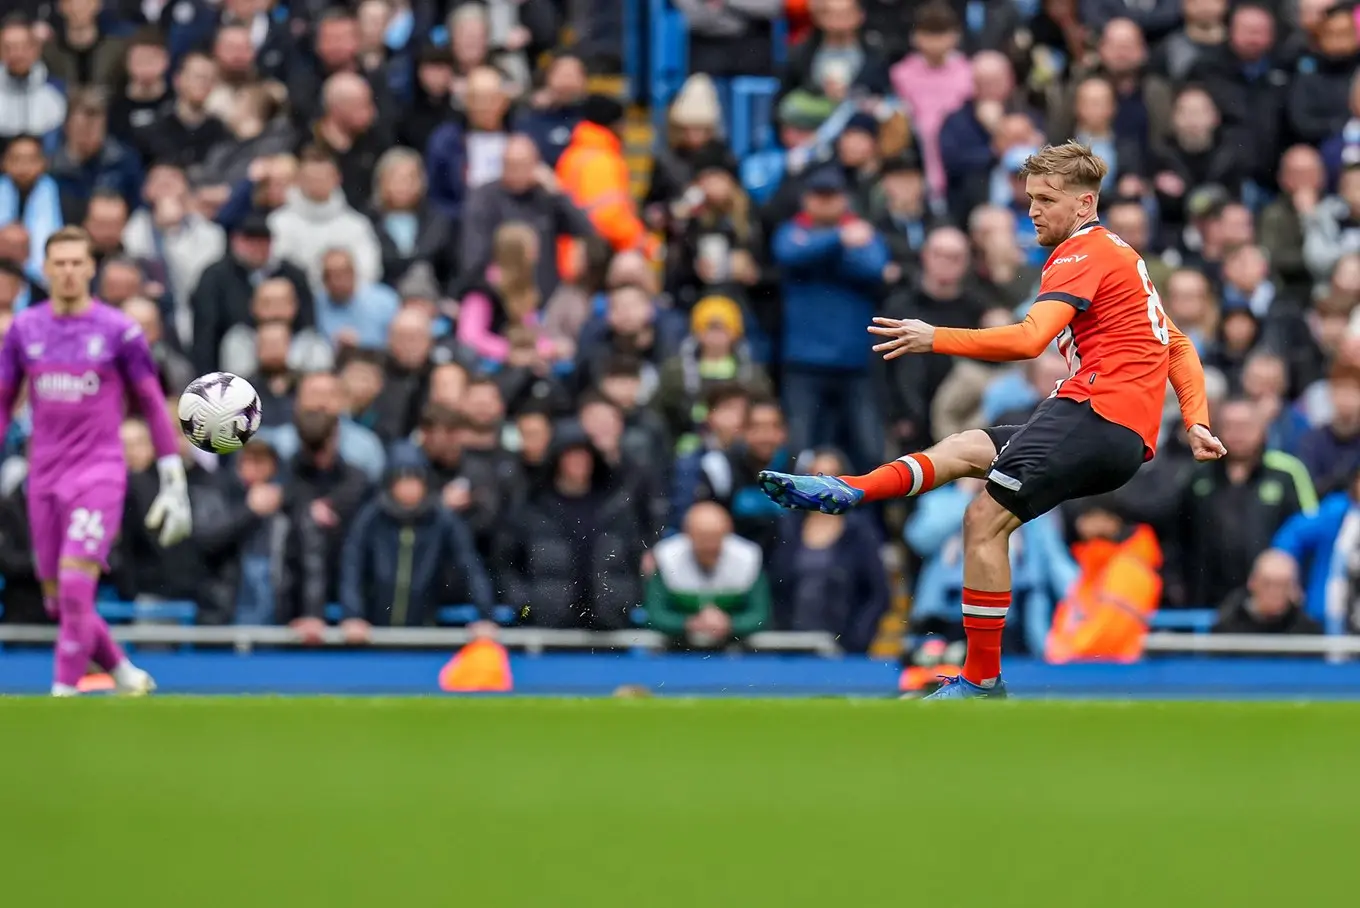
219 412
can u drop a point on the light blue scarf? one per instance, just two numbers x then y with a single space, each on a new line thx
42 215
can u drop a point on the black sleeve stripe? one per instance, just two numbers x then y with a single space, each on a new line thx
1079 303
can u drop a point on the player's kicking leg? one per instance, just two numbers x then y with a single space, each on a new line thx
83 636
967 453
1066 451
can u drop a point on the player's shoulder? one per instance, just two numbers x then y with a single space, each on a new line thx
117 323
32 315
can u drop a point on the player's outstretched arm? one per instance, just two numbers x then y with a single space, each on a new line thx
1187 378
169 513
1007 343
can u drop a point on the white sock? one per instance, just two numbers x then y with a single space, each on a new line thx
125 673
64 690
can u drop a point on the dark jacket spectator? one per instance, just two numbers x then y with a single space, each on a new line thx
555 111
1248 78
405 556
464 154
828 575
1230 509
1321 84
80 52
838 37
521 195
571 555
23 592
223 295
1271 602
481 491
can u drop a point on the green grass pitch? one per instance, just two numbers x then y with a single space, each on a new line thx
253 803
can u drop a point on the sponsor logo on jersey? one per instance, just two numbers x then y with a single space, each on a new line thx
1067 260
63 387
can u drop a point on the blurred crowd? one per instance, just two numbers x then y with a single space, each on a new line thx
506 366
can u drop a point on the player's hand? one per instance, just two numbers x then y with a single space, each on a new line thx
908 335
1204 445
356 631
170 514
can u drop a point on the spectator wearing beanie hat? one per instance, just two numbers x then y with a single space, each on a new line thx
693 128
714 353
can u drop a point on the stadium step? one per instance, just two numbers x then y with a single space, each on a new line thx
638 134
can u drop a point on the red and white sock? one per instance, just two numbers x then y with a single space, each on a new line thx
984 621
902 478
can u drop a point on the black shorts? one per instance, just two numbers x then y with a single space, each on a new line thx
1066 451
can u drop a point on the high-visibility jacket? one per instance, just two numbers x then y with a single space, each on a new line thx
1105 616
594 174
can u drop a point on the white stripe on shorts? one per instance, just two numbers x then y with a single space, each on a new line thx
1006 482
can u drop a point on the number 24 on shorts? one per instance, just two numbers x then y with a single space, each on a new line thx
87 526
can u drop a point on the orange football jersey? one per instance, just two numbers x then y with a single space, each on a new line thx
1117 345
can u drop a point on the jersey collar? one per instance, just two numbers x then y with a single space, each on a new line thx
1087 227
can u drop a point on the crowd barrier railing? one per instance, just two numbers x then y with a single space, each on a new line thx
244 638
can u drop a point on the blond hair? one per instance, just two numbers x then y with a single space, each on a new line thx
516 281
1079 167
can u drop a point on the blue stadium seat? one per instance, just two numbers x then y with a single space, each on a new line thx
634 37
172 611
448 615
751 117
668 56
1196 620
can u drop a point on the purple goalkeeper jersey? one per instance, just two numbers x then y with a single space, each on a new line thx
80 369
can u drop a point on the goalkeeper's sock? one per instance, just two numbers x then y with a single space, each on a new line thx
79 634
107 654
904 477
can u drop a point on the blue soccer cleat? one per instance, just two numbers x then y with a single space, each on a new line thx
809 493
958 688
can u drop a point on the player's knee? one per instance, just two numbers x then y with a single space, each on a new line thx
79 566
985 519
974 450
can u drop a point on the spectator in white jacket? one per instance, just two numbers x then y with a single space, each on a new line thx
30 102
316 218
1331 228
170 237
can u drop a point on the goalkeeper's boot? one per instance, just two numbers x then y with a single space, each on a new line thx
960 688
131 681
801 492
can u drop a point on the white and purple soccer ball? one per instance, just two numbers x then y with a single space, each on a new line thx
219 412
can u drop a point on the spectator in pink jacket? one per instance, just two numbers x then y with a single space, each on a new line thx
508 298
933 82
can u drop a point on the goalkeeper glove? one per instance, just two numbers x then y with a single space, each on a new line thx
170 511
